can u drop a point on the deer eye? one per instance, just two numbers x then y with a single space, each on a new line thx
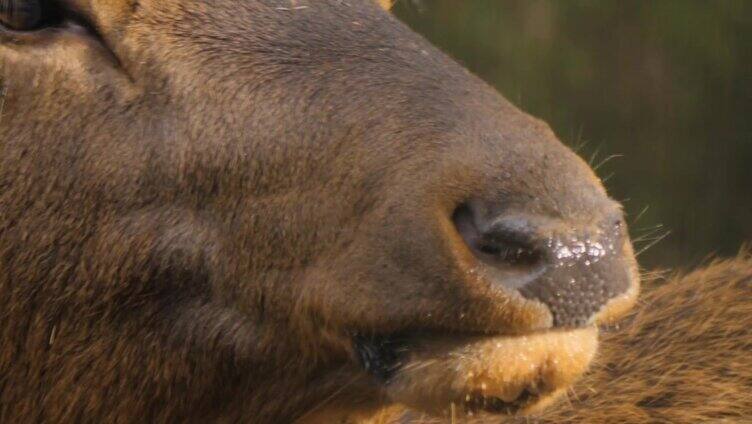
23 15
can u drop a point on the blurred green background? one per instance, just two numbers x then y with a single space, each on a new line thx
666 85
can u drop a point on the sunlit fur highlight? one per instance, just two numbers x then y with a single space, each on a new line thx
386 4
451 371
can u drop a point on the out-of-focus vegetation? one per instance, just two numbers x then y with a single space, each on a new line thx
666 84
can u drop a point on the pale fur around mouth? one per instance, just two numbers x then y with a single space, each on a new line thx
499 374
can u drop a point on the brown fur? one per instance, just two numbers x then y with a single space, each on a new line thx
683 356
208 206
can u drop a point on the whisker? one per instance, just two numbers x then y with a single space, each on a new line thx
418 366
606 160
656 241
580 143
642 212
651 227
594 156
647 233
647 239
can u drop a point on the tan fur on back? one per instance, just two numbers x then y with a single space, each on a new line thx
683 356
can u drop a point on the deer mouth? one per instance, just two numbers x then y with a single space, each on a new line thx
469 374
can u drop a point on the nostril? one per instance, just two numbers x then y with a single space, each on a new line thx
508 245
500 241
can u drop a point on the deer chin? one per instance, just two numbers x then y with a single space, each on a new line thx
499 374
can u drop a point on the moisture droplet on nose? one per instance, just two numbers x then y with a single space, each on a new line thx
589 250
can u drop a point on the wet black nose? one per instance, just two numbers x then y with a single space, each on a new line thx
574 269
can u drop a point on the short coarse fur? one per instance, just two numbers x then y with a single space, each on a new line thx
204 203
683 356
